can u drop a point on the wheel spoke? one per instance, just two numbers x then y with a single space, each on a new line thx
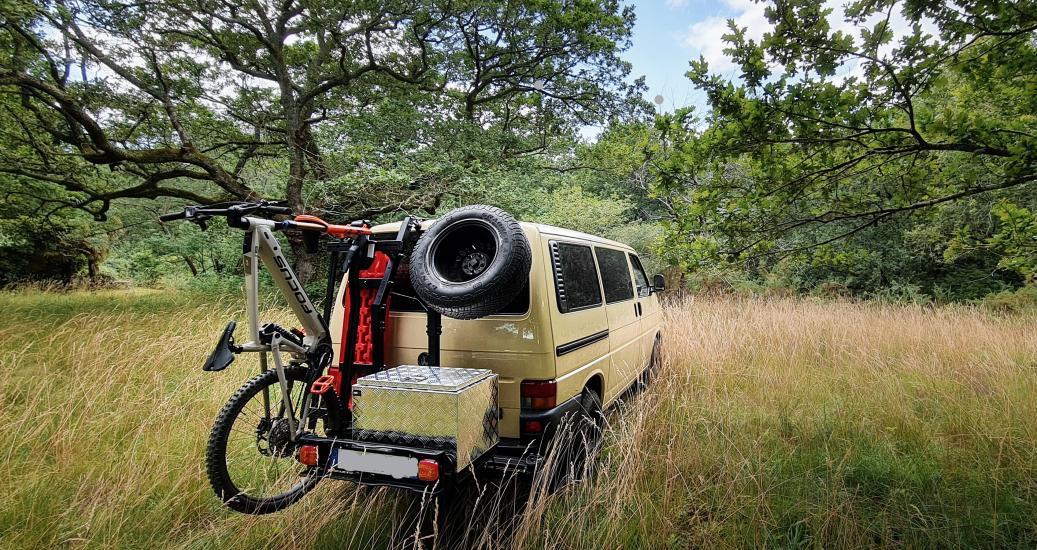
259 456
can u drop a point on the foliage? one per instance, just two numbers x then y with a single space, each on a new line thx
205 101
40 249
1016 239
1021 300
878 149
849 142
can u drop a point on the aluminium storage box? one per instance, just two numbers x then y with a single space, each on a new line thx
439 408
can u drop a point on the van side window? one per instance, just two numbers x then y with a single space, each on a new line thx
640 279
576 277
615 275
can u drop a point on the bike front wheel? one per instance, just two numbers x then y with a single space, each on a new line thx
251 460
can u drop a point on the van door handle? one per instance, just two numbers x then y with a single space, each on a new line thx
637 309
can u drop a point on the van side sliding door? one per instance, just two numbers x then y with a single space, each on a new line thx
622 312
578 319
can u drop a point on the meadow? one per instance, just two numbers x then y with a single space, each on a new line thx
774 422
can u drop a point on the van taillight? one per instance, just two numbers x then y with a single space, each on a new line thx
539 394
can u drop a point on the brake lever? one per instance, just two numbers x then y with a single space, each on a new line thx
200 220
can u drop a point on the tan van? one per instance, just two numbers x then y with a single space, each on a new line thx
457 344
587 321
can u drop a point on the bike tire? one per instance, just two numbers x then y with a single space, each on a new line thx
216 452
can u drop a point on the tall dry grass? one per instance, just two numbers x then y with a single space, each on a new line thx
772 423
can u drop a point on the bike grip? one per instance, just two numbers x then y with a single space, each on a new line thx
173 216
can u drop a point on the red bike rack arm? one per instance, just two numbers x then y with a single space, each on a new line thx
313 223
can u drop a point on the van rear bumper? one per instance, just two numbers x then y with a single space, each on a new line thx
327 449
549 419
526 454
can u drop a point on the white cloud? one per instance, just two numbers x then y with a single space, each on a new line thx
675 4
705 37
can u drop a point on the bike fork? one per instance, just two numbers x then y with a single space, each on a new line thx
251 259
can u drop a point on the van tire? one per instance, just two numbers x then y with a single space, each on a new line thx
654 362
577 455
471 263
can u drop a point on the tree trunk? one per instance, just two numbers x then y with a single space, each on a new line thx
190 265
305 263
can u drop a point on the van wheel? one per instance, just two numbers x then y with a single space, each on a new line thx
578 446
654 362
471 263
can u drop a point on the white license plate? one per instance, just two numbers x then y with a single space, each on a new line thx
375 463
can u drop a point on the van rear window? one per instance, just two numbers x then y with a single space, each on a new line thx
615 275
576 277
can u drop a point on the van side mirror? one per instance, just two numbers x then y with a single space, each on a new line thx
658 282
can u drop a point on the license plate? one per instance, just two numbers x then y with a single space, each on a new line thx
375 463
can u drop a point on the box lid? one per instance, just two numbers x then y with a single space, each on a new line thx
424 378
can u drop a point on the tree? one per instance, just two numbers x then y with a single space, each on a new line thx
837 125
191 99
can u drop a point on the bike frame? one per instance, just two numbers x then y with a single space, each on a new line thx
261 247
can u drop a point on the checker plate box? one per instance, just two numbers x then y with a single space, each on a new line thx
439 408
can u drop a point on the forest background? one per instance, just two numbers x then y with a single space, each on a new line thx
878 149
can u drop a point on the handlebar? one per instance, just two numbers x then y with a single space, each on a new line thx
277 210
233 211
172 217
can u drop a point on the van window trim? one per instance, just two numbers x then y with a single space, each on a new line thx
636 265
552 245
630 276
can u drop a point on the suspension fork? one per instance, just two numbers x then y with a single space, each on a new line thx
250 253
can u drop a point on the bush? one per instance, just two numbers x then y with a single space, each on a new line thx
1018 301
44 249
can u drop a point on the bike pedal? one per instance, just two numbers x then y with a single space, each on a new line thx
322 384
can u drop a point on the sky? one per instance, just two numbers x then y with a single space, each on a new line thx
668 34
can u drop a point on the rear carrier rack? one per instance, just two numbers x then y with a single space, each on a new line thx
413 424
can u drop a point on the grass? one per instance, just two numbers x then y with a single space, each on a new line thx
778 423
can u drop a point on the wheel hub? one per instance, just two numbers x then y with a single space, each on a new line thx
278 436
474 263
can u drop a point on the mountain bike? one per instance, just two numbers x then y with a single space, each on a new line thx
257 457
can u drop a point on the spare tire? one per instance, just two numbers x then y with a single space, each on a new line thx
471 263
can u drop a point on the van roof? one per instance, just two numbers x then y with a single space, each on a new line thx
539 227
